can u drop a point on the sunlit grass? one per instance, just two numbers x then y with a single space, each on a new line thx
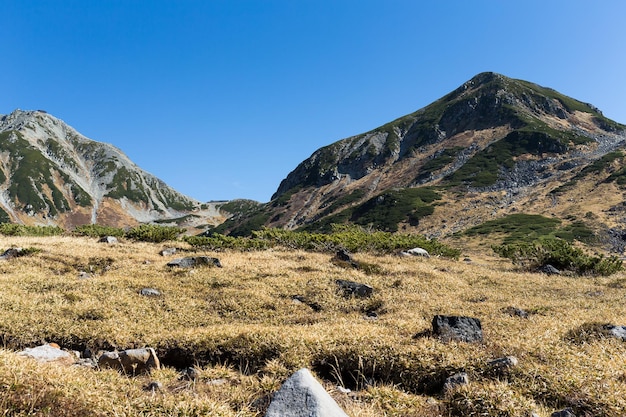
241 325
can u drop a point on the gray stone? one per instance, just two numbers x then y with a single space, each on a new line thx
193 261
563 413
168 252
49 353
189 374
153 386
131 361
108 239
459 328
354 288
515 311
549 270
617 331
150 292
416 252
12 253
344 258
456 380
502 364
303 396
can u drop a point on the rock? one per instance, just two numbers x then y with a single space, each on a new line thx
150 292
108 239
465 329
49 353
193 261
617 331
189 374
514 311
563 413
343 257
416 252
502 364
456 380
549 270
354 288
131 361
168 252
303 396
84 275
12 253
153 386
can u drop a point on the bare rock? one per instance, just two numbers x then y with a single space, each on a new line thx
356 289
131 361
193 261
456 380
111 240
416 252
303 396
49 353
460 328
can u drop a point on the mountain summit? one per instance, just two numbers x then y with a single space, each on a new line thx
477 153
51 174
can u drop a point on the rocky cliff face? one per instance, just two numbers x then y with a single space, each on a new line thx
51 174
492 142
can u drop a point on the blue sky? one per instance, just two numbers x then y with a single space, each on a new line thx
221 99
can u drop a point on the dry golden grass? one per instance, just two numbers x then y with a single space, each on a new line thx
239 324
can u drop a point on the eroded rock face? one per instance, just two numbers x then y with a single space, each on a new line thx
459 328
131 361
303 396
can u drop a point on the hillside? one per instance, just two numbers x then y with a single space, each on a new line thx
51 174
493 147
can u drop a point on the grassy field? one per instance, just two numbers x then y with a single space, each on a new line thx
241 326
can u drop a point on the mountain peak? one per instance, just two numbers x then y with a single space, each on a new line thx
491 133
52 174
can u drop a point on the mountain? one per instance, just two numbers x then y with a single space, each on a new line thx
52 175
493 147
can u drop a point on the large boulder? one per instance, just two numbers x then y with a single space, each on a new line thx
193 261
49 353
459 328
131 361
303 396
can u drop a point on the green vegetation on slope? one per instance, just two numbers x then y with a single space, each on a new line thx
521 227
385 211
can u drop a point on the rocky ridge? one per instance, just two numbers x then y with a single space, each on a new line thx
51 174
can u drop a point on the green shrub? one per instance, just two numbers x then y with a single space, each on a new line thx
154 233
12 229
560 254
96 230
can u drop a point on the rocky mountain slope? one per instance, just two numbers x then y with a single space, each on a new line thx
51 174
495 146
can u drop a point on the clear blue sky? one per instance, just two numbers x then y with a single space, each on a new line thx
221 99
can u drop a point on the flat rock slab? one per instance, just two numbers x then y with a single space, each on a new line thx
459 328
49 353
303 396
193 261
